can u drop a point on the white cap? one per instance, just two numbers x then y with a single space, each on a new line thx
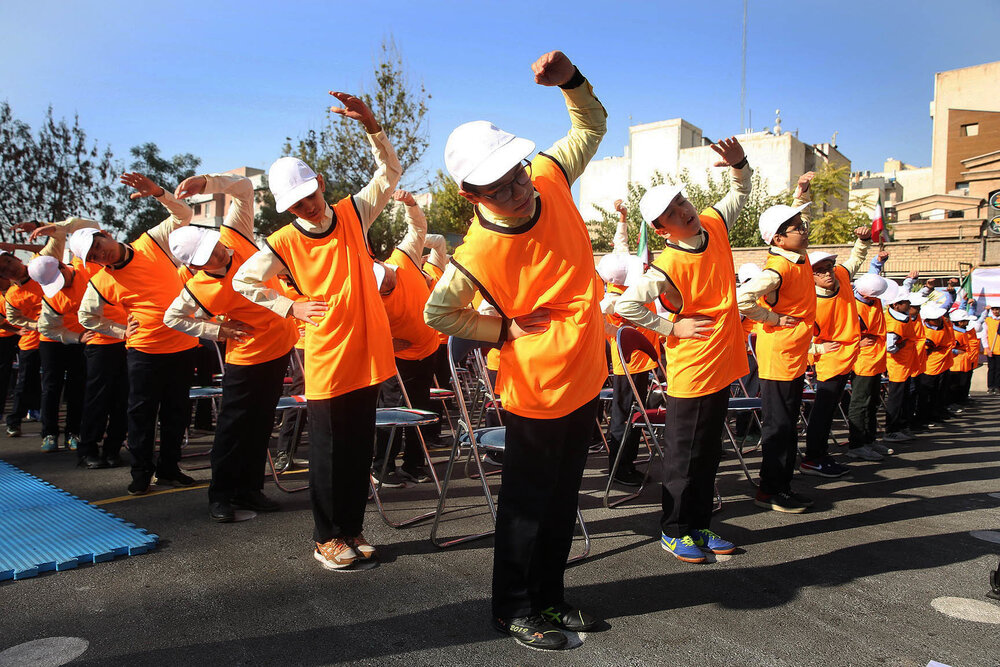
45 271
892 294
775 217
613 268
932 311
871 285
917 299
748 272
193 246
656 200
958 315
80 242
291 180
820 256
480 153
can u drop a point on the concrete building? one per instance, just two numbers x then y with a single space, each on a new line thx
210 210
670 147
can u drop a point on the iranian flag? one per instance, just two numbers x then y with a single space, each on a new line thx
879 233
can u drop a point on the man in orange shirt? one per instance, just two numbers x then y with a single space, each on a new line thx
9 336
939 340
694 278
529 254
348 345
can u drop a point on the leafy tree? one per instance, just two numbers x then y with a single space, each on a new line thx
449 212
341 153
829 222
52 175
743 233
138 215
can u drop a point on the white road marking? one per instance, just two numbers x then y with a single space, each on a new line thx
968 610
48 652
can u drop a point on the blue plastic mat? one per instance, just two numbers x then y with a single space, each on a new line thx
43 528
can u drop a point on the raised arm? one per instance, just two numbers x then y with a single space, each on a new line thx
731 155
620 241
416 227
803 195
860 250
240 213
438 246
180 213
57 233
588 118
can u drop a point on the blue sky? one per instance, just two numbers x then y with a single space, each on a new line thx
228 81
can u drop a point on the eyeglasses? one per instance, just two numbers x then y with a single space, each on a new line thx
800 230
504 190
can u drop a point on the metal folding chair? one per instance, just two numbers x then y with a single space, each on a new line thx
394 419
297 403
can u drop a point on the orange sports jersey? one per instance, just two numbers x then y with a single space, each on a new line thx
3 309
943 340
27 298
900 364
351 347
706 282
548 263
66 302
782 353
972 346
961 345
992 335
920 358
640 363
405 309
837 320
871 359
272 336
145 287
112 311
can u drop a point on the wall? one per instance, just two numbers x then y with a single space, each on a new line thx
961 147
966 88
602 182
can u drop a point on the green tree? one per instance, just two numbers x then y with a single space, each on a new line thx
829 222
341 153
743 233
52 175
139 215
449 212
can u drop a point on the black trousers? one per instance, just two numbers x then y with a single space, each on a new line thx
930 402
993 372
828 395
897 400
243 427
543 465
418 377
64 371
105 400
159 385
28 390
621 413
780 403
341 432
691 459
8 352
966 387
863 412
293 421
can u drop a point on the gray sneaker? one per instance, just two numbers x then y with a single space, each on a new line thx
882 449
865 453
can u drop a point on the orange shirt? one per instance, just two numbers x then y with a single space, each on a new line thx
639 363
920 345
351 347
66 302
548 263
3 332
405 309
940 358
145 287
837 320
27 298
782 353
112 311
706 282
900 364
272 336
871 359
992 334
972 346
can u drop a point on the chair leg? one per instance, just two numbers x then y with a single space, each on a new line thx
374 488
736 448
586 539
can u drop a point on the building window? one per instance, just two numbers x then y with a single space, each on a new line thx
970 130
197 209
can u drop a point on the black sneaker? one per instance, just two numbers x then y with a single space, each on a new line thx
417 474
779 502
221 512
805 500
533 631
13 431
139 486
569 618
392 480
92 462
629 477
175 479
255 500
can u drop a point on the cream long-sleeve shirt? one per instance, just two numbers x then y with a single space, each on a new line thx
447 310
416 234
631 305
370 200
185 314
438 246
92 305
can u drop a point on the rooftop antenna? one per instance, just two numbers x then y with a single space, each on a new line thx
743 75
777 122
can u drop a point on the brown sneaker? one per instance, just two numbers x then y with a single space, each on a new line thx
336 554
361 546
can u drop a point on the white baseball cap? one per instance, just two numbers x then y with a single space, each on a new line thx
958 315
871 285
820 256
480 153
291 180
931 311
748 272
775 217
656 200
45 271
917 299
613 268
80 242
193 245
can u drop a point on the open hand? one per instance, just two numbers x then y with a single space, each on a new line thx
404 197
234 330
143 186
831 346
307 310
132 326
25 227
87 335
693 326
41 230
730 151
553 69
190 187
532 323
788 321
356 109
